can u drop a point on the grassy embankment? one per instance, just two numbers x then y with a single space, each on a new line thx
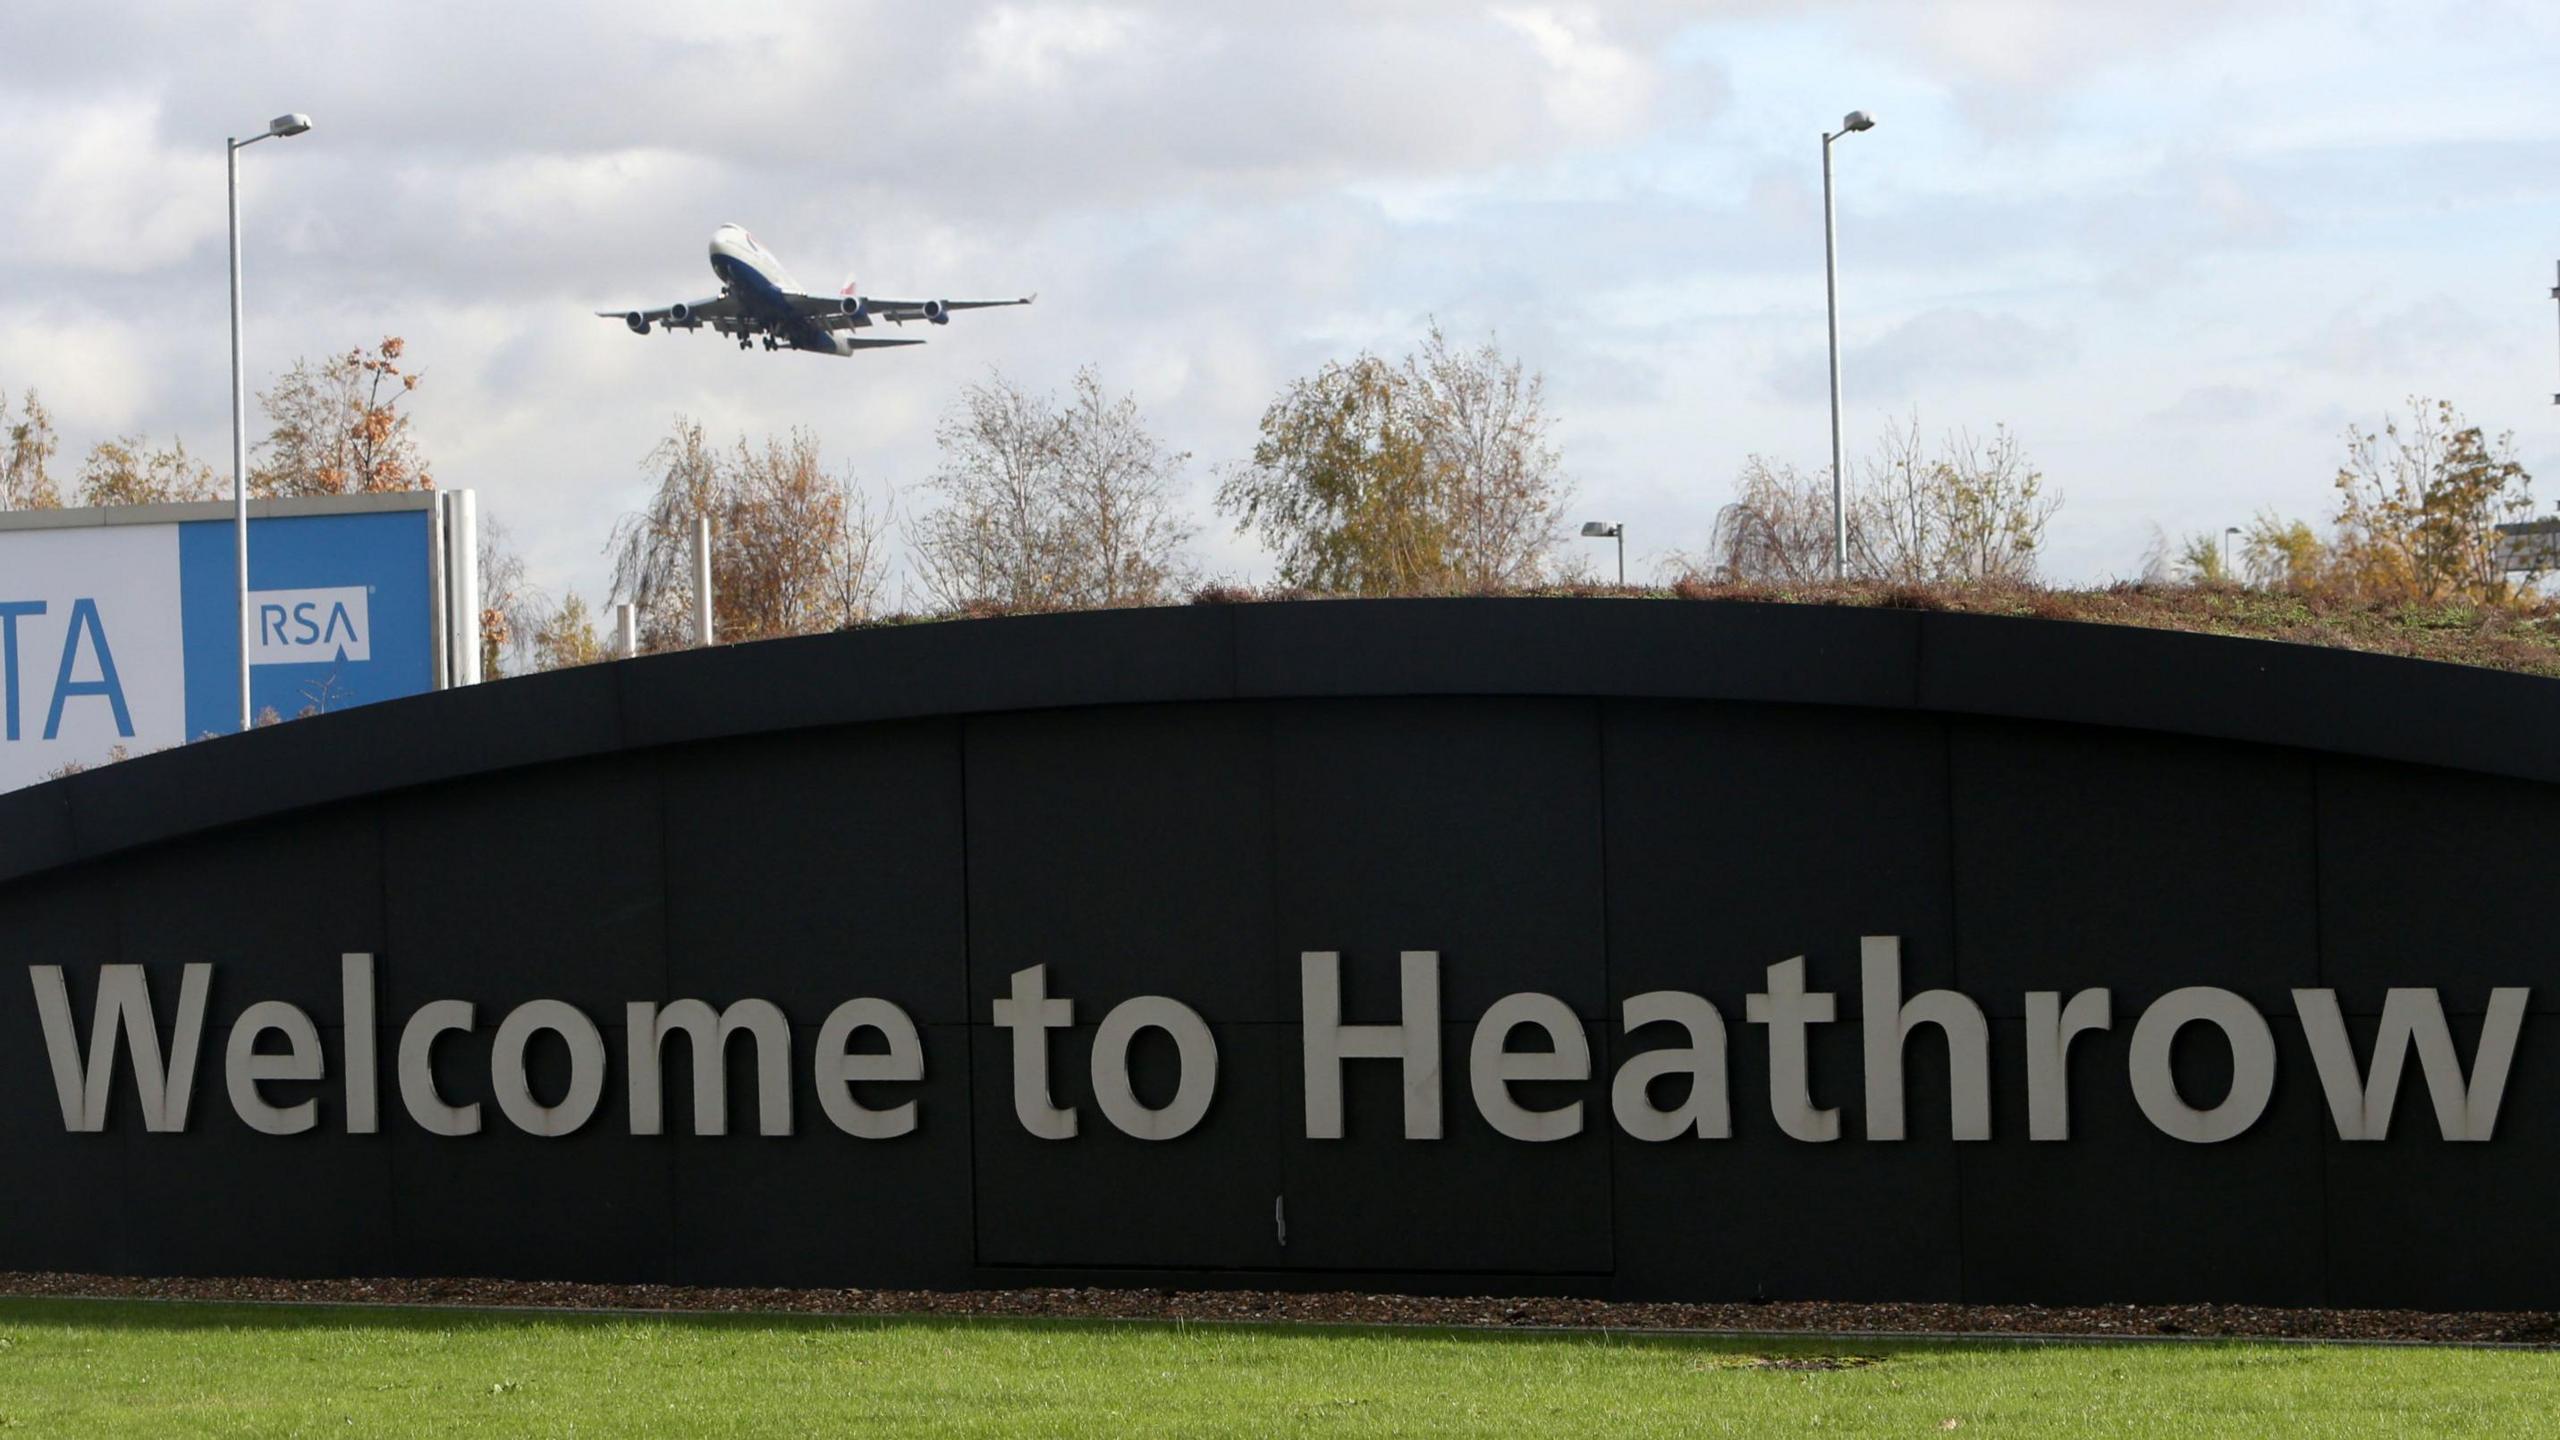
127 1368
2524 636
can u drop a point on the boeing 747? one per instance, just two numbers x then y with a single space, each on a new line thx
758 299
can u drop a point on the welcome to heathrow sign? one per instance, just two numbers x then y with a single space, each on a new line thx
1644 950
2361 1095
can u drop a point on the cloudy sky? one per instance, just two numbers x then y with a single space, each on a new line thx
2177 247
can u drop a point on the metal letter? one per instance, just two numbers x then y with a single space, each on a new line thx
355 989
417 1069
1786 1008
1889 1022
645 1040
586 1067
1328 1042
123 1006
2361 1105
2051 1026
1707 1113
2253 1064
1030 1014
838 1068
1198 1082
243 1067
1491 1068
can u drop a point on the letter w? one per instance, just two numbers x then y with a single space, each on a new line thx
2361 1105
124 1005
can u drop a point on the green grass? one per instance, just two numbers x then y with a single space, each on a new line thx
114 1368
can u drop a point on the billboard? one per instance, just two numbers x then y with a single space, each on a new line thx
120 630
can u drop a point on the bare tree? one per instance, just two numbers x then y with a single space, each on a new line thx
26 478
1045 505
1968 510
1485 438
653 549
1777 529
511 608
338 428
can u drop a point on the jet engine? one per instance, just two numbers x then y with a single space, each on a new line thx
856 306
638 322
937 312
679 313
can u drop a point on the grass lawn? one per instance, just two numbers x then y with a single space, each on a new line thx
138 1368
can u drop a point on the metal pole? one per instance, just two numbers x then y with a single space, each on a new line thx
626 630
2555 294
1831 317
462 536
702 581
1622 556
239 439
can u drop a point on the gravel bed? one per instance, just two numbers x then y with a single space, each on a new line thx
2534 1327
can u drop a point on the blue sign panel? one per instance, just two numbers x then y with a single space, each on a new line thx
342 612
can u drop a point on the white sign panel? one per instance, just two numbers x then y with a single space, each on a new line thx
91 648
295 626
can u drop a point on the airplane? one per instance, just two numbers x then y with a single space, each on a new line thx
758 298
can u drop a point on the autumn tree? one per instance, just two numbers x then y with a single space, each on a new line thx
795 547
567 637
125 471
1045 504
2280 554
339 428
26 476
1429 474
2419 505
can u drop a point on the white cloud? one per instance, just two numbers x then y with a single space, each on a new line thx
96 189
1044 45
1593 88
95 375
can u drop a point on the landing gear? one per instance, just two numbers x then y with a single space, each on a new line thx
744 342
768 343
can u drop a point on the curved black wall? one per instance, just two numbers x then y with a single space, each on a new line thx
1590 799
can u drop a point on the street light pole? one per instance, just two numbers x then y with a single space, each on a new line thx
1610 530
1856 120
282 125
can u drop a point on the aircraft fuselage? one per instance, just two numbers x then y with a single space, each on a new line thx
754 277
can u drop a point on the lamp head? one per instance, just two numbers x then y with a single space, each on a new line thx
1857 120
284 125
1598 529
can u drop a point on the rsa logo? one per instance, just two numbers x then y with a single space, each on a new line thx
297 627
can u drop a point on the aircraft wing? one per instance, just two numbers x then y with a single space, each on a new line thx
900 312
715 310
